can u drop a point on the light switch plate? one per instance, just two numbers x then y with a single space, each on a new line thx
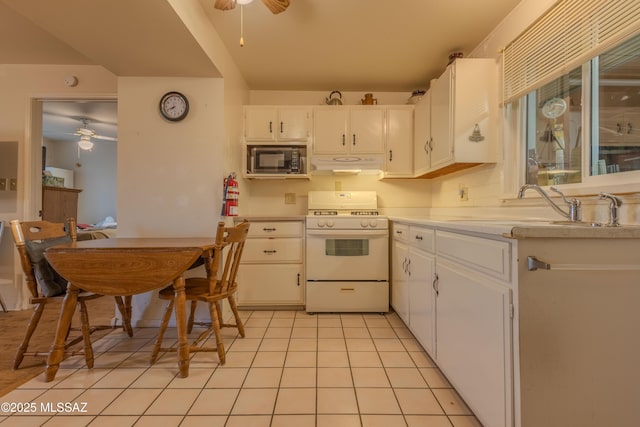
13 184
3 184
289 198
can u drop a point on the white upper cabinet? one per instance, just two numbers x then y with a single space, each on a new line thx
349 130
270 123
399 154
422 135
460 119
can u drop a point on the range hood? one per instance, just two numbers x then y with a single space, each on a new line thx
371 163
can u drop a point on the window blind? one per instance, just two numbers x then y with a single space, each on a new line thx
568 35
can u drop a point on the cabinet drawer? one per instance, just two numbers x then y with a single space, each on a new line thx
423 238
276 229
489 256
400 232
272 250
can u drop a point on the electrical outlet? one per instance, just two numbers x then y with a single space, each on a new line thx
463 193
289 198
13 184
3 184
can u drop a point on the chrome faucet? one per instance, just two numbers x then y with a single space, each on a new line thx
614 204
574 214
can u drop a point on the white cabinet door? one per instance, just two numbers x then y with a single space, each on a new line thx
275 123
260 123
271 284
422 305
422 135
399 142
441 123
330 131
293 123
474 339
347 130
367 130
399 280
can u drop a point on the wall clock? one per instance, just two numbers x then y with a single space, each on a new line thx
174 106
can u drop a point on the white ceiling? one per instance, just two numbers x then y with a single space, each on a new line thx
315 45
354 45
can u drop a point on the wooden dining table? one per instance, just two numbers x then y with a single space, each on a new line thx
125 266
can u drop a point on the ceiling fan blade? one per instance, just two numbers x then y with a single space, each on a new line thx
276 6
105 138
224 4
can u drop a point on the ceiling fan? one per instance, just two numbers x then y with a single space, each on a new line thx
85 134
275 6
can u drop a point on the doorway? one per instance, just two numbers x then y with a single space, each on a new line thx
80 153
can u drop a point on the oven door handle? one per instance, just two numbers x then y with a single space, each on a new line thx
359 234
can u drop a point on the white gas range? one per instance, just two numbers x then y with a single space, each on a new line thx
347 253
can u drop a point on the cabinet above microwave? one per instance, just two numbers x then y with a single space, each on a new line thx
275 161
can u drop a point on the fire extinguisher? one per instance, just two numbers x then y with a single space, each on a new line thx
230 197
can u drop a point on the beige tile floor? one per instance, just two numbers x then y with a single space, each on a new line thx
291 369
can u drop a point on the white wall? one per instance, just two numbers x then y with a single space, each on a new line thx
22 86
168 172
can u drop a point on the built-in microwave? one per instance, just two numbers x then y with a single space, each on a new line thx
276 159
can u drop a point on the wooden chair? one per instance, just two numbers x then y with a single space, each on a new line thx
3 281
32 238
220 284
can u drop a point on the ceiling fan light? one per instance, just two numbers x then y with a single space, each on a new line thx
85 143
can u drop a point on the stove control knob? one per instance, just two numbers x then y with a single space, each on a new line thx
364 223
321 223
373 223
329 223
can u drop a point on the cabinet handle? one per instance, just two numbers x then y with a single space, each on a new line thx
270 251
398 231
390 155
354 139
298 279
268 229
418 237
343 140
629 128
426 147
435 285
270 126
430 144
409 267
281 127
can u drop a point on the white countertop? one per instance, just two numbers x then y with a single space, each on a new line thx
525 228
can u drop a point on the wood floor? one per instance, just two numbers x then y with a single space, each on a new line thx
14 324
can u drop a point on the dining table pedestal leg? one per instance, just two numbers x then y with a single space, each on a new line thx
56 354
181 326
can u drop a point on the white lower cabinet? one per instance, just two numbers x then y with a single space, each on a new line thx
453 292
422 315
474 340
271 273
400 280
271 284
412 293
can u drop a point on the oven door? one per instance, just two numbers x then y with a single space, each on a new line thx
345 255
